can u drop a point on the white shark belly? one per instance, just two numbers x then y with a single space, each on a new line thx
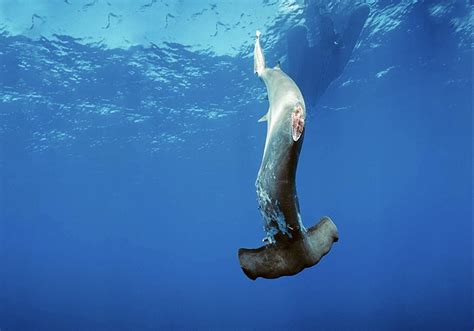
276 191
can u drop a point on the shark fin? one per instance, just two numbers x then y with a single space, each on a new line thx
264 118
258 57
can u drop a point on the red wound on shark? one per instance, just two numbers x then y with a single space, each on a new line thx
297 122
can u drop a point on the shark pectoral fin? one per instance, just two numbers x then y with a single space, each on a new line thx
289 258
264 118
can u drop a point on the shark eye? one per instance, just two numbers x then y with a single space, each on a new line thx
297 122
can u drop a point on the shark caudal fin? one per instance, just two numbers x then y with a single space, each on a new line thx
289 258
258 57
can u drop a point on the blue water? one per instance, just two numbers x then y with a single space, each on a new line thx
129 148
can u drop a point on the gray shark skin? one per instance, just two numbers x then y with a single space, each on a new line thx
290 247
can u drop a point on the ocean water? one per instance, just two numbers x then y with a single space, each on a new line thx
129 149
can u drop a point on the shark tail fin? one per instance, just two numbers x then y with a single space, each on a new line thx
291 257
258 57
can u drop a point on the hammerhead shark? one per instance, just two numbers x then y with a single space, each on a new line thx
289 246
